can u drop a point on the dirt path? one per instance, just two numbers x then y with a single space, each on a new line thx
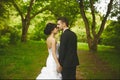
91 64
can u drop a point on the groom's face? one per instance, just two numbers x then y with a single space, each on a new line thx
60 24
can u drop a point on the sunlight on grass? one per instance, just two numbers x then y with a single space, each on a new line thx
82 46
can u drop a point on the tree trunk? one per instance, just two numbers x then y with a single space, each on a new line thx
93 44
25 26
26 19
93 41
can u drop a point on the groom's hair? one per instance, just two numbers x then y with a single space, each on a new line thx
64 19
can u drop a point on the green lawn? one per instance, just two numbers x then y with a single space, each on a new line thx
22 61
106 53
25 60
103 64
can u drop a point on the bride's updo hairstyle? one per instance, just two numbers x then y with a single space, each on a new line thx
49 28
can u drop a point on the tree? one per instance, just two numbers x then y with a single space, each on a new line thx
115 9
2 8
92 35
111 35
66 8
27 11
112 31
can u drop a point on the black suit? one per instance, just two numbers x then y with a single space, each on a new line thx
68 54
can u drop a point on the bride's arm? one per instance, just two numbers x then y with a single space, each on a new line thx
54 52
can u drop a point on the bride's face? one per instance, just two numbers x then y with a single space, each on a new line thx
55 30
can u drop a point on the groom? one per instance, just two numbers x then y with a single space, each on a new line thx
68 50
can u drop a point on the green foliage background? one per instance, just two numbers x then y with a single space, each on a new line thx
11 25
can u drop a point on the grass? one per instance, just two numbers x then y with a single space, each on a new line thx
106 53
111 56
22 61
83 46
25 60
99 65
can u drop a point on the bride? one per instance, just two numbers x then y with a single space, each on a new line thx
53 68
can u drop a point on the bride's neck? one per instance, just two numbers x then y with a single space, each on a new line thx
52 35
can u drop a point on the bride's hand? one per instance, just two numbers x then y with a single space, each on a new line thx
59 68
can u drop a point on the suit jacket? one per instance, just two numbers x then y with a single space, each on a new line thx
68 49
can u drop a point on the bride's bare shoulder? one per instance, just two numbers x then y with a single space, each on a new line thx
51 40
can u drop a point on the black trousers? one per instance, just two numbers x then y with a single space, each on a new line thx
69 73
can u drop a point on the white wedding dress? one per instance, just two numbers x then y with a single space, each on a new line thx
50 71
